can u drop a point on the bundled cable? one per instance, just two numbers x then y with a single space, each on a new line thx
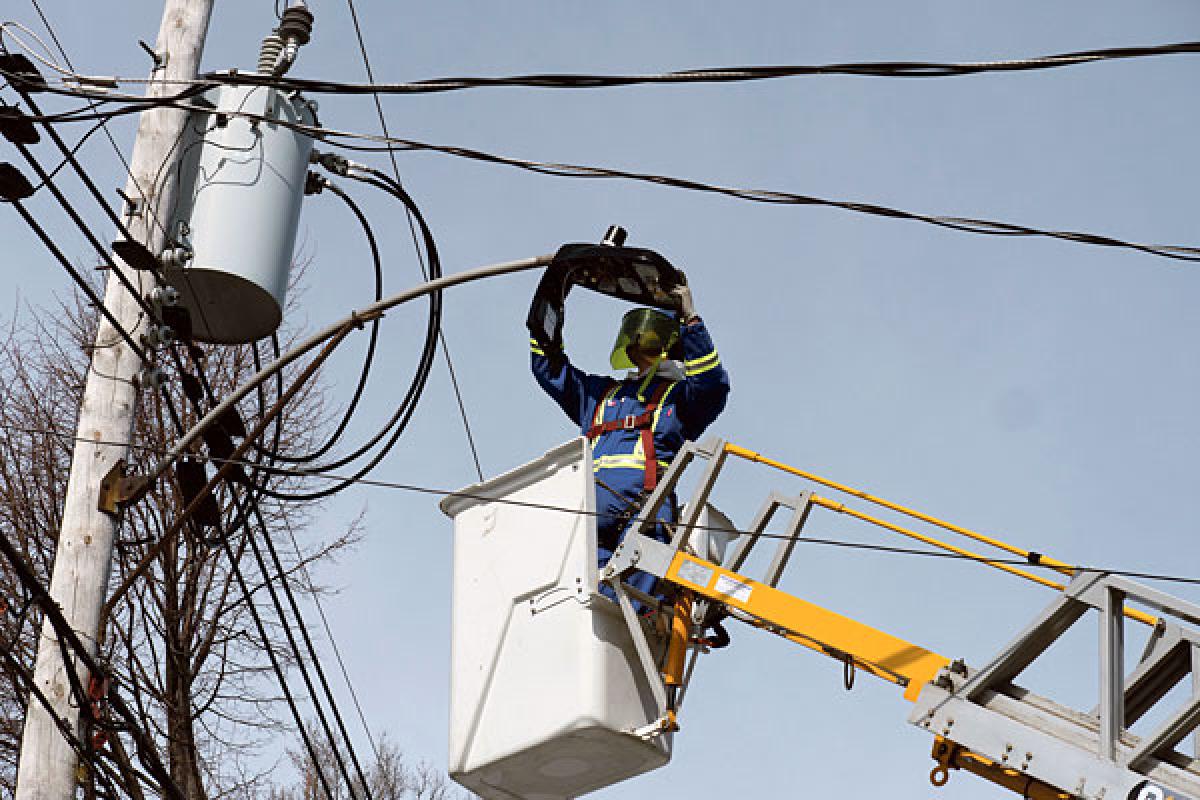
394 428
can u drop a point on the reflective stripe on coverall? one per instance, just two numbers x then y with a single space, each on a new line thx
687 408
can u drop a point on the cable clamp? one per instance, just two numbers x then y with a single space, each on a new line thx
338 165
1034 558
314 183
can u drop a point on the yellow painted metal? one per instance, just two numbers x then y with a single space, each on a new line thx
825 631
681 623
950 755
841 508
832 505
750 455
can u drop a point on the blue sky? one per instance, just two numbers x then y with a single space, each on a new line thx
1035 389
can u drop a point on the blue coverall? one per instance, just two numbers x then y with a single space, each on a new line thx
687 408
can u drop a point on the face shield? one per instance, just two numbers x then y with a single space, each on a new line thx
650 331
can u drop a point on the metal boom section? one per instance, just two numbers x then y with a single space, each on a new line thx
981 720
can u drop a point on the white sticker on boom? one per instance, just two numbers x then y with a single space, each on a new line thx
733 588
692 572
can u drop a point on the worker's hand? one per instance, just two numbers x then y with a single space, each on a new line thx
687 307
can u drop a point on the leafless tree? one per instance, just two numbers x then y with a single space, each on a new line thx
389 776
180 644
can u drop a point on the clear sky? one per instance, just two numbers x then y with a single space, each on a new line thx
1035 389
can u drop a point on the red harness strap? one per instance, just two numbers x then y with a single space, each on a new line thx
643 422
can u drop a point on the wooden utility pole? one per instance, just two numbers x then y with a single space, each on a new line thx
48 766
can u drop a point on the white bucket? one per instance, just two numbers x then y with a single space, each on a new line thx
545 684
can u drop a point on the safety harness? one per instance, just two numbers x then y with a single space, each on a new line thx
643 422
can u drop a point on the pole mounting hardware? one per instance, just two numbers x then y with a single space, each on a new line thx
119 489
159 57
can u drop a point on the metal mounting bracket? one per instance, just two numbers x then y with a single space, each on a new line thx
118 489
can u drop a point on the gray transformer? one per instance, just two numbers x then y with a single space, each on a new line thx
242 183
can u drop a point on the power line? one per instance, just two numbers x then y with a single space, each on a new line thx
176 419
726 74
776 197
468 495
975 225
243 521
398 423
337 652
108 133
462 409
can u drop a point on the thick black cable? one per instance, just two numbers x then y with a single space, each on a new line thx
316 662
250 501
287 630
964 224
87 755
63 630
283 684
242 522
84 228
373 338
91 104
337 652
316 598
884 69
731 74
399 421
462 408
75 148
467 495
80 281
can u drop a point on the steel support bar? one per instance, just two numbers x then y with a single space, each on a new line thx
1055 564
1165 664
716 455
783 553
1051 623
1169 734
1112 672
763 518
657 687
1043 744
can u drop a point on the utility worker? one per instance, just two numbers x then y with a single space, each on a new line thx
637 424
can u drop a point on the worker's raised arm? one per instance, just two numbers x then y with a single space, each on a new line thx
575 391
705 386
701 395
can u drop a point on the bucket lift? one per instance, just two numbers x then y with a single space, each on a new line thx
566 692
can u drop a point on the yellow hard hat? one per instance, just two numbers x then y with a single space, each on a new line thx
651 330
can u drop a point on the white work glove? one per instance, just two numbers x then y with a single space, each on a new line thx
687 307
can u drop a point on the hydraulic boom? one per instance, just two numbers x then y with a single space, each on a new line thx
981 720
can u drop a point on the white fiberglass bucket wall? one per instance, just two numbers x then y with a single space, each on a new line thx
545 684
